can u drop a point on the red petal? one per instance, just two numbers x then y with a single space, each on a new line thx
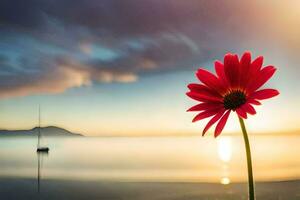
264 94
241 112
262 77
213 120
210 80
231 68
219 68
244 69
257 64
203 97
202 89
254 102
195 86
205 106
246 58
205 114
221 124
249 109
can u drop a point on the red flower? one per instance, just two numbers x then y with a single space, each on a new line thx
233 88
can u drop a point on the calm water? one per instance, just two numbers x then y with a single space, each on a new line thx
155 159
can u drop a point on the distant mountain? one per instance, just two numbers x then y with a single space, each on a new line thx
45 131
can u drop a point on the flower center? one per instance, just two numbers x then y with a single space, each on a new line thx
234 99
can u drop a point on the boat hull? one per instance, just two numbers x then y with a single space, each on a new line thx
42 149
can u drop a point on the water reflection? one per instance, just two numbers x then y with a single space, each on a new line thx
225 181
40 158
153 158
225 154
225 149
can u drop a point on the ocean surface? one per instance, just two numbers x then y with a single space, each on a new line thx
119 163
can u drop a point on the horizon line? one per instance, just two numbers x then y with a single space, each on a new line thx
273 133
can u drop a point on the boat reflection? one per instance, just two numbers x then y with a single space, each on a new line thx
225 154
40 156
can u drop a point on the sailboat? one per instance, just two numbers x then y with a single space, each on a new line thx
40 149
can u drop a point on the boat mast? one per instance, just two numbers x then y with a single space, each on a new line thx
39 133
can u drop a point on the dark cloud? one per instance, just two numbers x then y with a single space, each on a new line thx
22 14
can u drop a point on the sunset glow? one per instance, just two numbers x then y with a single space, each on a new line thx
149 99
95 84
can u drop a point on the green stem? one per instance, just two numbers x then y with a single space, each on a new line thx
249 161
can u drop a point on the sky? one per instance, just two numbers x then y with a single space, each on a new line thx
114 67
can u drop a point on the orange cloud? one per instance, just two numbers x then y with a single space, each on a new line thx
60 78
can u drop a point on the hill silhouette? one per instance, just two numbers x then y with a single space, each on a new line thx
45 131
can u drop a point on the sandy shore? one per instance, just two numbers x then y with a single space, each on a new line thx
13 188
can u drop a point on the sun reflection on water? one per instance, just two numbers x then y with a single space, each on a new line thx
225 149
225 181
225 154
